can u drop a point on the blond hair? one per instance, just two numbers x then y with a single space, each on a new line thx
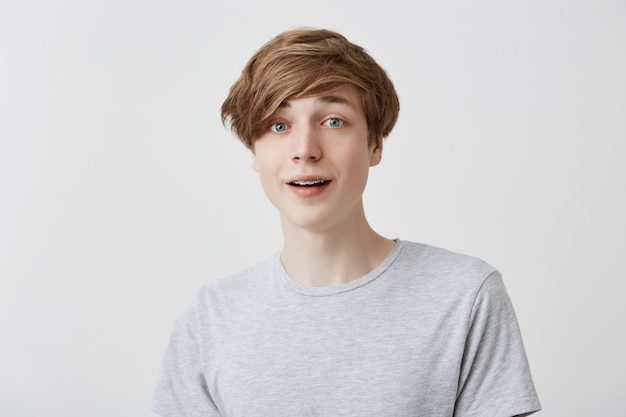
307 62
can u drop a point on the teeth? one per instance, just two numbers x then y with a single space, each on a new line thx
308 182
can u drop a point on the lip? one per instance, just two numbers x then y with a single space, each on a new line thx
304 191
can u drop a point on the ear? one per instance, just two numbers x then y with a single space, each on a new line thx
376 152
254 164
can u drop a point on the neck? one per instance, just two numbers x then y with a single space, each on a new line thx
321 258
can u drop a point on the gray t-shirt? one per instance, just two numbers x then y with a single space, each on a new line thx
427 333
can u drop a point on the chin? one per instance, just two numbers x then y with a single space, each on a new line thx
314 222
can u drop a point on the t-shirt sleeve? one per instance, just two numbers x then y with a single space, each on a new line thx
181 389
495 378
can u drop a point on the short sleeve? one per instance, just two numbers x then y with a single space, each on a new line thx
181 389
495 378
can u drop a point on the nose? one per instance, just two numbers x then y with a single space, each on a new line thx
306 145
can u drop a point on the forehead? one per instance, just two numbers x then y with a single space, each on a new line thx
346 95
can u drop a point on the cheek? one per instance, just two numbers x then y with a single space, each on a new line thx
268 186
268 175
359 163
265 176
361 159
262 159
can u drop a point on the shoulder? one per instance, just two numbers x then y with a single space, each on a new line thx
236 288
440 278
443 265
242 279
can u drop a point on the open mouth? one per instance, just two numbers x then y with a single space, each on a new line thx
308 183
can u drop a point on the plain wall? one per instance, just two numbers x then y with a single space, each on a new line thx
121 193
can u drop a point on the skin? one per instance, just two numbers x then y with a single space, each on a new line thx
327 239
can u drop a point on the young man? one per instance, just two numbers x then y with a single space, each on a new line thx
343 321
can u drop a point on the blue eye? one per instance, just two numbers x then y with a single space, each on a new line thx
278 127
334 122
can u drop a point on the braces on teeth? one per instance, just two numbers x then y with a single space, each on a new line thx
308 182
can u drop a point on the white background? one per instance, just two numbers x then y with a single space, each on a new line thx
121 192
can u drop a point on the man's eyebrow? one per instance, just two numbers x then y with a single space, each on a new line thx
335 99
322 99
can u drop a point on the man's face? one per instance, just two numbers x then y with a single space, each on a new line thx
313 159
